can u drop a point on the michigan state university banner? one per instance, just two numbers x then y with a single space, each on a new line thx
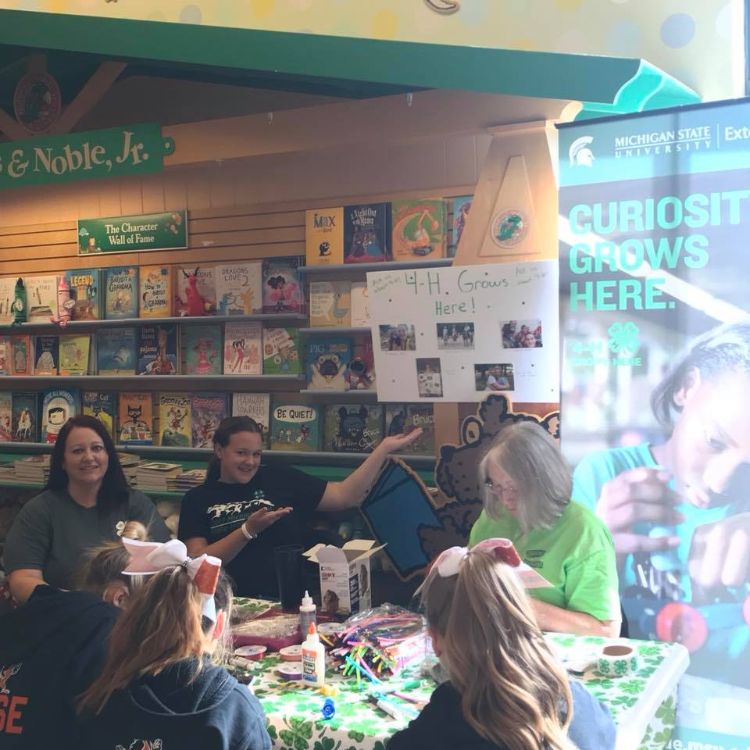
654 230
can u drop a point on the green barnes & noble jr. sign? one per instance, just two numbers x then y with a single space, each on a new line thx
127 234
117 152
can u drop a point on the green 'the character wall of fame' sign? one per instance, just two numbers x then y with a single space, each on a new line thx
116 152
127 234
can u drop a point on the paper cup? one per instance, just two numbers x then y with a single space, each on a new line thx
617 661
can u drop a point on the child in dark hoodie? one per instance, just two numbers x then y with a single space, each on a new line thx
506 689
158 687
53 646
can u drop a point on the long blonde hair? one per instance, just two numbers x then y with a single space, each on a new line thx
163 624
513 691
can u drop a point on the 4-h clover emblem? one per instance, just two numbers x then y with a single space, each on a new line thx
623 337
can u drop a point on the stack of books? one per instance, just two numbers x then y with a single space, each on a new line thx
156 475
33 469
189 479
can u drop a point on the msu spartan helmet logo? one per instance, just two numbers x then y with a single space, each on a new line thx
580 152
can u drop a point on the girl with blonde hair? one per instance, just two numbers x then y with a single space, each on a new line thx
506 690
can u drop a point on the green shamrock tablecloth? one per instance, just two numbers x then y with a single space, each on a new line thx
642 704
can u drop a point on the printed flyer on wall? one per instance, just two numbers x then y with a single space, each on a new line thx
654 220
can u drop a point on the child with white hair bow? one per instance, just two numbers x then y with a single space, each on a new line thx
158 687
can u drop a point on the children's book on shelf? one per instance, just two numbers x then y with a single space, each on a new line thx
239 288
460 208
7 293
257 406
330 304
201 347
58 406
135 419
175 425
5 355
294 426
281 351
25 417
121 292
324 236
360 302
6 416
115 351
418 229
282 288
21 355
75 352
85 293
361 373
352 428
46 355
206 412
195 290
101 406
242 347
407 417
41 298
367 232
157 350
327 363
155 292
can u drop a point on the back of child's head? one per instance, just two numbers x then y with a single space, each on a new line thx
514 694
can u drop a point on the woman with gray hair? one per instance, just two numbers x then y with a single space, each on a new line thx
527 490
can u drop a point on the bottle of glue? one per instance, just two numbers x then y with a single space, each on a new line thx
313 658
307 613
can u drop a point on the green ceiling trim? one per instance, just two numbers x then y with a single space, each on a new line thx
592 79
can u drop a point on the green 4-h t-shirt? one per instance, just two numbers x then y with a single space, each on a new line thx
576 555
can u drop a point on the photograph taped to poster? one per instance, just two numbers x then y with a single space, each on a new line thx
454 327
653 226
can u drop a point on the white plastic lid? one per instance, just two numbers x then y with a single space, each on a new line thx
307 603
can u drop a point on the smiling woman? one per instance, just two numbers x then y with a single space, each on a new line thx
86 502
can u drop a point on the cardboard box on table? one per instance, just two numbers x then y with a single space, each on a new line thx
345 575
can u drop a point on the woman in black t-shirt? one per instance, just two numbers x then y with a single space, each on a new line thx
245 510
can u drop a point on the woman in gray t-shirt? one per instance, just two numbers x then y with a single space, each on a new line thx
86 502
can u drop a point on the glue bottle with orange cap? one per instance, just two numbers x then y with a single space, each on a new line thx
313 658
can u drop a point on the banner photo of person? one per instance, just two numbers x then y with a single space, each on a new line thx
460 333
655 322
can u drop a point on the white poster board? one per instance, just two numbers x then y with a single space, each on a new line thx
459 333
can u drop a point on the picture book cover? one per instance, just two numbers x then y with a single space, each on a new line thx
367 231
206 412
85 293
282 288
46 355
281 351
135 419
418 229
25 417
75 352
360 303
175 425
121 292
102 406
327 362
361 373
41 297
5 355
239 288
352 428
201 348
155 292
257 406
7 294
460 208
242 347
195 290
58 406
407 417
21 360
324 236
115 351
295 426
6 416
330 304
157 350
